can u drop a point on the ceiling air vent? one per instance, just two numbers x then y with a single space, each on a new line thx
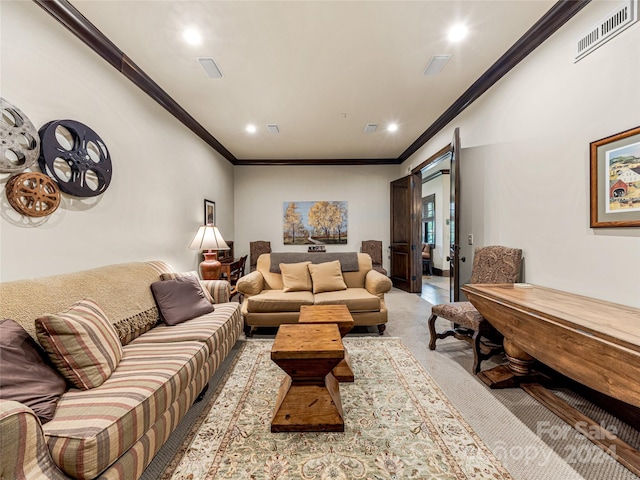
210 67
621 18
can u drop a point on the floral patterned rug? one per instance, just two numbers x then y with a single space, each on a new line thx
398 425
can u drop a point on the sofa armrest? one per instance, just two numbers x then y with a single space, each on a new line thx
220 290
251 284
23 448
377 283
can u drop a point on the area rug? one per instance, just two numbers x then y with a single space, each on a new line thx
398 425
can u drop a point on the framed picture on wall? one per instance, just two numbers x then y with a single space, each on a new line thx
615 180
209 212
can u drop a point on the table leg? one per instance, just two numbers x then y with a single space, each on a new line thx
517 371
308 407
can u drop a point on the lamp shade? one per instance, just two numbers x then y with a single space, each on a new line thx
208 237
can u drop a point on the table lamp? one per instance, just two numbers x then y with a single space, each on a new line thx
209 240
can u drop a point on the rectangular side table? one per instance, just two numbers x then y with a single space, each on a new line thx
309 396
340 315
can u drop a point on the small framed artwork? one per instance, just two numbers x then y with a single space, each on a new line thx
209 212
615 180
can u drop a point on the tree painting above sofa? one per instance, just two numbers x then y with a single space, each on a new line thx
319 223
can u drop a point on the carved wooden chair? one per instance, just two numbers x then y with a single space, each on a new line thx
256 249
237 272
494 264
374 249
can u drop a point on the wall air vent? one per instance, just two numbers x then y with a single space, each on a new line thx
615 22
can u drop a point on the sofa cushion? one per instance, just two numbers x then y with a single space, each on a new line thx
180 299
26 374
278 301
194 274
327 277
81 343
210 328
356 299
93 428
295 277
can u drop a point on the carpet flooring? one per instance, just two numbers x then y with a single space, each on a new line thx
398 424
531 442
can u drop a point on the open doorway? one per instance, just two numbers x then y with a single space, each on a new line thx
436 229
440 176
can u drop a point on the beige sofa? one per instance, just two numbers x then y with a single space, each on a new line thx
265 303
112 431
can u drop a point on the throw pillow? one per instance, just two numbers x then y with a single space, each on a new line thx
295 277
81 343
327 277
193 273
26 375
180 299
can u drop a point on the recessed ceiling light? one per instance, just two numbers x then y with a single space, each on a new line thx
192 36
457 32
251 128
392 127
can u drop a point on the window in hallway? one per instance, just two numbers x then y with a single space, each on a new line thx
429 219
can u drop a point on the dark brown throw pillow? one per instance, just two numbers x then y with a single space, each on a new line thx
180 299
26 374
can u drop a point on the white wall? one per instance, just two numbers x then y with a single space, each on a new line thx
525 161
162 172
440 187
261 191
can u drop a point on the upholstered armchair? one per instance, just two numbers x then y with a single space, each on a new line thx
494 264
256 249
374 249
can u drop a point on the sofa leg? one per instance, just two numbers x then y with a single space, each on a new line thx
202 394
248 331
381 328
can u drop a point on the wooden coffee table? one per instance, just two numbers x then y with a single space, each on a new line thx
338 314
309 396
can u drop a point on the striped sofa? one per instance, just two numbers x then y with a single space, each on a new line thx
113 431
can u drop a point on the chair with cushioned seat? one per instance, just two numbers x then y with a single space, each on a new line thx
493 264
427 262
256 249
374 249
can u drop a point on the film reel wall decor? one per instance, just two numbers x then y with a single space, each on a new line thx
33 194
75 157
19 140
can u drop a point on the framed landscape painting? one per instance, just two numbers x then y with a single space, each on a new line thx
314 223
615 180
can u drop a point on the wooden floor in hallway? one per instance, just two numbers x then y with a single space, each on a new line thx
435 289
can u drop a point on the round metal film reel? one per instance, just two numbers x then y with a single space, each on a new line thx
33 194
19 140
76 157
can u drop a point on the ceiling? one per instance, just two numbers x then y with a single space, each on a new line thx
320 70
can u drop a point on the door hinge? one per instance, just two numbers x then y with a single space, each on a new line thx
413 278
413 247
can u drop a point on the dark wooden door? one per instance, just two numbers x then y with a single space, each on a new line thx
454 221
406 264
